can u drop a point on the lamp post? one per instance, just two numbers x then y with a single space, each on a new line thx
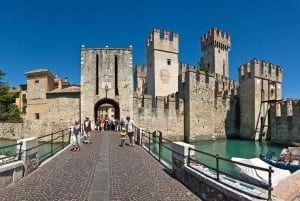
106 89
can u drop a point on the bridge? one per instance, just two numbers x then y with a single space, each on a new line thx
99 171
105 171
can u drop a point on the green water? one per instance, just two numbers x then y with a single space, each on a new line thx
232 148
44 150
225 149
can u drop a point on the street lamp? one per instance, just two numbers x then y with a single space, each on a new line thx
106 89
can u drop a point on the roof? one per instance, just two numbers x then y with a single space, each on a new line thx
70 89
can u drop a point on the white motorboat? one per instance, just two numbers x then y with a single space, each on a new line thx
256 176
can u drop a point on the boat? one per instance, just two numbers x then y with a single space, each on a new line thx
258 177
289 159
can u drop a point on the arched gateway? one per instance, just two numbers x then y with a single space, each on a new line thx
106 79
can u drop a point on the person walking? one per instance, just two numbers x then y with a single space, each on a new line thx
123 136
87 128
76 135
102 123
130 130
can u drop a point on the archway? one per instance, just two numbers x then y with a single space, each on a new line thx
110 102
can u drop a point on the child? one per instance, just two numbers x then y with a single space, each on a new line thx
123 136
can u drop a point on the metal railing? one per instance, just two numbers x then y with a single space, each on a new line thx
156 145
219 171
8 157
56 140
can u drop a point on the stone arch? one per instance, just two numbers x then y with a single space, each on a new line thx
107 101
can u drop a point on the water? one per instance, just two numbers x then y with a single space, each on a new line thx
226 149
44 150
233 148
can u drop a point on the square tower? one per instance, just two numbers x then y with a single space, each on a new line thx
106 78
260 85
162 63
215 46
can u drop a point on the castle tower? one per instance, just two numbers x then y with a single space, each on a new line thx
106 78
260 85
140 76
215 45
162 63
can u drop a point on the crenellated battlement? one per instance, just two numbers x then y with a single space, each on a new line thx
216 38
141 68
287 107
260 69
225 86
164 41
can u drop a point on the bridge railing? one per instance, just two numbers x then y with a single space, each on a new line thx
155 144
216 169
161 148
8 154
48 145
52 143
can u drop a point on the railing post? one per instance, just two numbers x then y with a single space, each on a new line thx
20 151
188 157
217 165
149 141
142 137
159 145
52 144
62 136
270 184
69 136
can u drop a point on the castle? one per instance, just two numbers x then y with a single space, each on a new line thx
179 99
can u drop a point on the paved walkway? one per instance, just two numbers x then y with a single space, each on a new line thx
100 171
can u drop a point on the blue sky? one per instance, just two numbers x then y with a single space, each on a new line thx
48 34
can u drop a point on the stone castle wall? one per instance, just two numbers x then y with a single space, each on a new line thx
285 121
13 131
167 116
260 83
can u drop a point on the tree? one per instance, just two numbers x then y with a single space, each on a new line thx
8 110
203 66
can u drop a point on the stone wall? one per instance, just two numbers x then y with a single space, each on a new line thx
285 122
167 116
13 131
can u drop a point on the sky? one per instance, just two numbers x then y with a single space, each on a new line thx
49 34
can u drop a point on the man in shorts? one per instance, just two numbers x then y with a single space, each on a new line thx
130 130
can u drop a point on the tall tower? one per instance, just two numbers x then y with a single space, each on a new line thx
162 63
215 45
260 85
106 78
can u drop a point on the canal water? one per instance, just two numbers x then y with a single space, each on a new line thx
44 150
226 149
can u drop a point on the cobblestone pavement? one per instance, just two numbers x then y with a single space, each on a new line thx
100 171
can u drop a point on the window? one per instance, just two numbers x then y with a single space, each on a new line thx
36 93
36 81
37 115
169 61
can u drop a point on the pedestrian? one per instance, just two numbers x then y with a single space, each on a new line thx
102 123
130 130
123 136
97 124
76 136
87 128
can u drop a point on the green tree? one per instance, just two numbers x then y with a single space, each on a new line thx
8 110
202 65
